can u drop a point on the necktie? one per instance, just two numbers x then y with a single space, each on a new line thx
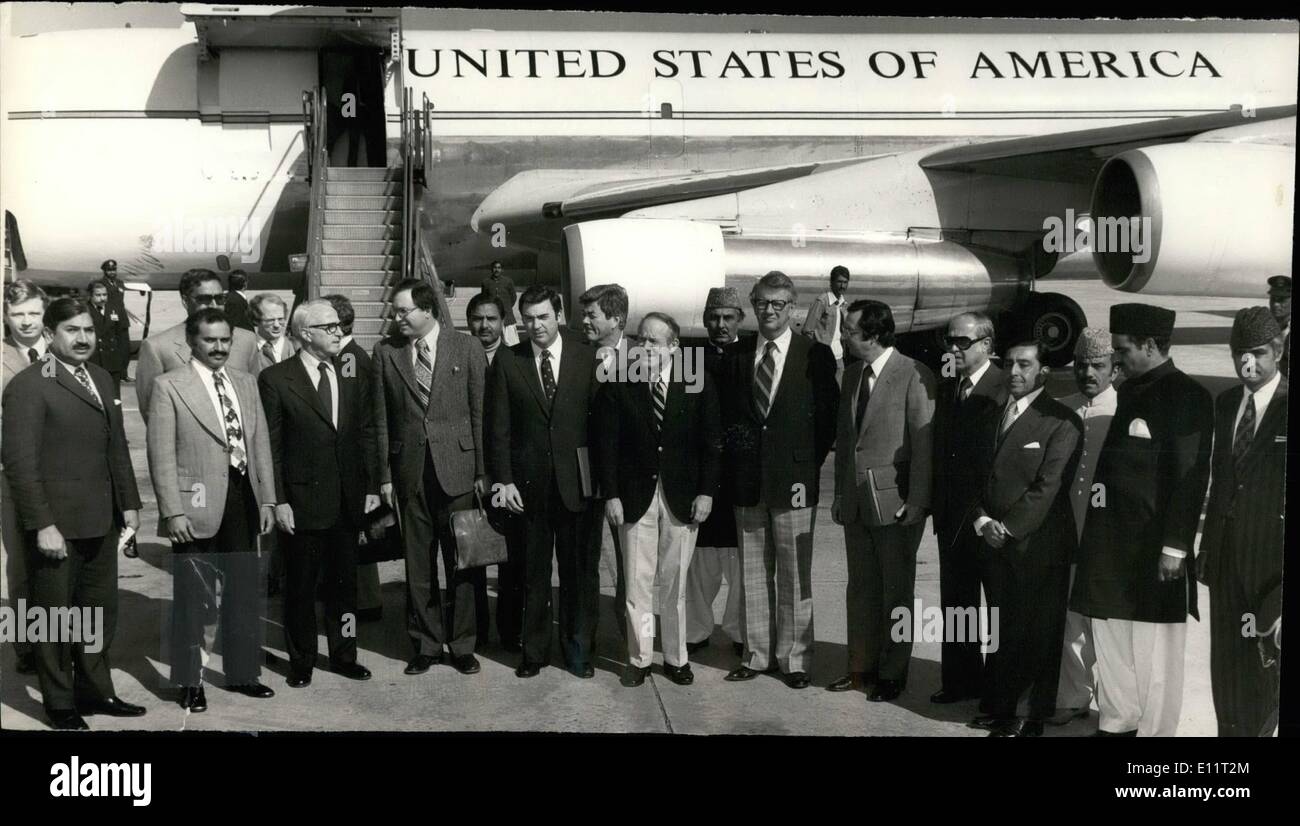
423 371
326 392
548 376
1245 429
864 393
963 392
268 351
32 355
1009 418
84 378
659 398
234 432
763 380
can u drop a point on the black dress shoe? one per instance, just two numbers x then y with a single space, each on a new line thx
299 679
254 689
738 648
193 699
885 690
26 663
854 680
1031 728
584 671
113 707
527 669
370 614
692 647
741 674
797 679
421 663
512 645
465 664
353 671
67 721
944 697
986 721
633 676
1007 728
679 674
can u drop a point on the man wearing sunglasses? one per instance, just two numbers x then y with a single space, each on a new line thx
972 392
199 289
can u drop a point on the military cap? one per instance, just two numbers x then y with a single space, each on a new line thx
1253 327
1141 320
1093 343
1280 286
110 264
723 297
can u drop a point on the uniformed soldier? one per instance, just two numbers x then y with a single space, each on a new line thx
109 353
1279 304
1242 547
117 319
1132 577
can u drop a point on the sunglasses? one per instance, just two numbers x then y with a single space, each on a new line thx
202 300
962 343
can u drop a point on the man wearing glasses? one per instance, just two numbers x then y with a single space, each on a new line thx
780 417
322 432
199 289
972 392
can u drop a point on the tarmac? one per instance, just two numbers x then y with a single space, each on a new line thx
555 701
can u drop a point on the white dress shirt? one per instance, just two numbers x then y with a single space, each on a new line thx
39 347
430 338
205 376
313 372
976 376
280 347
556 349
71 368
1097 414
877 367
1260 398
835 308
778 357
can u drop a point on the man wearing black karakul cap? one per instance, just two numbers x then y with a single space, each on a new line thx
1133 578
1279 304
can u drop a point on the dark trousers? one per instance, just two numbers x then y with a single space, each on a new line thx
15 556
962 666
426 527
1030 602
882 578
553 527
1245 692
229 558
331 554
86 578
510 583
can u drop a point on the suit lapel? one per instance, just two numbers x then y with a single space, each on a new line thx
442 361
1018 427
402 359
796 359
64 378
883 382
196 398
1270 424
531 378
567 379
300 382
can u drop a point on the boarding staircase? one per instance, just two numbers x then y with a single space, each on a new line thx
364 226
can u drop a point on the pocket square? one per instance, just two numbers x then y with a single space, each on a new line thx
1138 428
117 402
1032 446
1279 439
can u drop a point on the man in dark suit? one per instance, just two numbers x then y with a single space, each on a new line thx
1279 304
1241 550
322 432
1132 577
109 352
237 302
539 402
69 471
883 457
660 444
1023 515
118 314
428 397
779 413
970 399
210 461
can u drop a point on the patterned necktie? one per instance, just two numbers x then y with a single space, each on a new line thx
84 378
864 394
548 376
1009 418
32 355
963 392
1245 429
659 398
268 351
234 432
326 392
423 371
763 380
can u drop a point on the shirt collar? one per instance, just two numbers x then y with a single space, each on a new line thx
431 337
782 341
1265 394
979 374
72 368
1022 404
40 346
346 341
311 362
556 347
205 371
879 364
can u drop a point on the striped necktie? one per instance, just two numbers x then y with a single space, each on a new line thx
423 371
234 431
1245 429
763 380
659 397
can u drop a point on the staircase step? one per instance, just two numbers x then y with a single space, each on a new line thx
370 309
361 247
368 326
360 262
393 202
369 217
363 188
357 293
356 278
361 232
367 342
363 173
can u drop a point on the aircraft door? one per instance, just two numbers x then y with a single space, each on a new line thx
664 108
354 100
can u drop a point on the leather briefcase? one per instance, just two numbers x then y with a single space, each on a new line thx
478 543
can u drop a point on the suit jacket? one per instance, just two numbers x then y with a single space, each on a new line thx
169 349
109 352
1028 486
360 360
65 457
531 442
188 458
449 430
291 348
819 324
767 459
719 530
895 439
1246 514
14 359
237 311
963 448
504 290
634 460
1155 487
322 471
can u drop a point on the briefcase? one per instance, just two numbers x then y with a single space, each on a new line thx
381 541
886 488
478 543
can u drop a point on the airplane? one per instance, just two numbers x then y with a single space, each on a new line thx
950 165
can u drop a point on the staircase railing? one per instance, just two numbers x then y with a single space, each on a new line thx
314 125
417 150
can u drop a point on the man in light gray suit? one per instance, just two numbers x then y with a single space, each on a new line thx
882 493
210 460
170 349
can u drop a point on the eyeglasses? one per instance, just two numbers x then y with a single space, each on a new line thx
202 300
962 343
403 313
778 306
330 329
